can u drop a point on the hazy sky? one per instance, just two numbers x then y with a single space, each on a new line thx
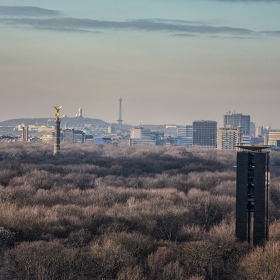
171 61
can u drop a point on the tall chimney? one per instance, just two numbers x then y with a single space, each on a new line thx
26 134
23 134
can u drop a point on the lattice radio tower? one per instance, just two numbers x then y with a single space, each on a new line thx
120 114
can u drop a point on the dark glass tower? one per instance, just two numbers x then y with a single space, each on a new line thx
252 195
205 133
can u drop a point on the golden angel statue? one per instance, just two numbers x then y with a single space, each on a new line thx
57 114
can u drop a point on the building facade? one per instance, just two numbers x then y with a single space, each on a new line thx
273 137
185 135
232 120
205 133
140 133
227 138
252 180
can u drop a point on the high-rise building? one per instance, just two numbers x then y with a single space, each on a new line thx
111 129
205 133
80 113
259 131
227 138
252 129
232 120
252 195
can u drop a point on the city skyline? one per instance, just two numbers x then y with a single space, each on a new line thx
170 61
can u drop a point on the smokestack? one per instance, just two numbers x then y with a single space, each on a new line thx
26 134
23 139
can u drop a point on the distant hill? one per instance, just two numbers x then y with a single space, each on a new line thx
43 121
73 122
70 122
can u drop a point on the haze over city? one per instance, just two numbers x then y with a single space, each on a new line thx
170 61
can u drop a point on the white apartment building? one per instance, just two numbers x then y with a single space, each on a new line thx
228 138
273 136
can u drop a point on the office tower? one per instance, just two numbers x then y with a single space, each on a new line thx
252 195
227 138
232 120
252 129
184 135
205 133
111 129
259 131
140 133
80 113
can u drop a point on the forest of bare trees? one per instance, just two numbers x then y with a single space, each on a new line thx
141 213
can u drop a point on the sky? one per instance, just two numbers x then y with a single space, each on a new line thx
171 61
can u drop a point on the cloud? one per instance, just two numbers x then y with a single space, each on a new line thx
271 33
140 25
57 29
184 35
172 21
27 11
251 1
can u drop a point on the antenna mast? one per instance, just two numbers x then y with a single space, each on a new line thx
120 114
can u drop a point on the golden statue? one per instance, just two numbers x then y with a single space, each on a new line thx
57 114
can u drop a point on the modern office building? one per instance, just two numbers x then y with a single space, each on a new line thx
273 137
73 135
205 133
182 131
111 129
246 140
232 120
258 131
184 141
171 130
252 129
140 133
185 135
252 180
